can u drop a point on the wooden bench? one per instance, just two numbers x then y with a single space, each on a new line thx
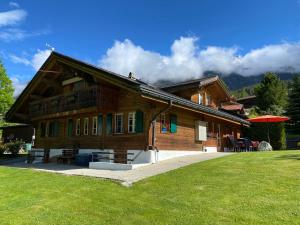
68 156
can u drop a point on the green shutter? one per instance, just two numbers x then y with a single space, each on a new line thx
70 127
100 124
139 122
173 123
56 129
109 123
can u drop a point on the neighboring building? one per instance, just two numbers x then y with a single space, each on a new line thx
72 104
248 101
22 132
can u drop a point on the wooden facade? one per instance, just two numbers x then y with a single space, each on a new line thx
78 106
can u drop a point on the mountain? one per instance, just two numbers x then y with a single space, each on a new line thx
236 81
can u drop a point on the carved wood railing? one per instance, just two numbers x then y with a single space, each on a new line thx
84 98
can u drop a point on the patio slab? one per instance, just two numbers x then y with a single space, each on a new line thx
128 177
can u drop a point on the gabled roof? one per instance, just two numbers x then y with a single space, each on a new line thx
196 83
134 84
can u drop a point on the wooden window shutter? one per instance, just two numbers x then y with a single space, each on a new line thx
70 127
100 124
139 122
56 128
109 123
173 123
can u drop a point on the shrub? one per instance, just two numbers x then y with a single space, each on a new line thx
14 147
3 148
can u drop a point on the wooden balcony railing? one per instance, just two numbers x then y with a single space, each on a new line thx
85 98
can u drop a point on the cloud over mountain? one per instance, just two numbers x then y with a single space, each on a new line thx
189 60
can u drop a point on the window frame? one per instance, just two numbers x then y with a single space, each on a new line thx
131 117
78 128
94 122
200 99
163 122
86 126
122 123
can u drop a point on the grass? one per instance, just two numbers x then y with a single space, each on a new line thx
245 188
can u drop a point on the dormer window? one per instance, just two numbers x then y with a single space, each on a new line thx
208 99
200 99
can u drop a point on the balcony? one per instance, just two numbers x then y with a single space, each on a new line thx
84 98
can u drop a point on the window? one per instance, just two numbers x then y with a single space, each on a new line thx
70 127
78 127
119 123
131 122
86 126
200 99
43 129
208 100
163 123
95 125
53 129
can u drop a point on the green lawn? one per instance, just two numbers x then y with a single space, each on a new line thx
245 188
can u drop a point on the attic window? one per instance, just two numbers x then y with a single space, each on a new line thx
200 99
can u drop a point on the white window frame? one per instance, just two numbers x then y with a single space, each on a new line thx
115 123
86 126
95 125
131 117
77 127
200 99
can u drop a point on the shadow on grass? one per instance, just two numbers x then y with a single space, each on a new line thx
290 156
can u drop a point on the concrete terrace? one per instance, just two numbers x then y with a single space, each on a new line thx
126 178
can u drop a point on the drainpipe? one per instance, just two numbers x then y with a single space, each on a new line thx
153 123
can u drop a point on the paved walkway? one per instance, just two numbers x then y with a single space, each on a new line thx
125 177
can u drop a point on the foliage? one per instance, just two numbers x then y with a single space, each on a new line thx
294 104
6 93
243 92
15 146
247 188
3 148
259 132
271 95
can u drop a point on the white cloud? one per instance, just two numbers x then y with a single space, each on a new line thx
39 58
14 4
18 85
35 62
12 17
187 60
16 34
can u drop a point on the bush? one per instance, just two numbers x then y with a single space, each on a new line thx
3 148
14 147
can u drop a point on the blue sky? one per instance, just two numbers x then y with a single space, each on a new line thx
153 39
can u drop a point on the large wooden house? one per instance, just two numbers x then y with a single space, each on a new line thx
72 104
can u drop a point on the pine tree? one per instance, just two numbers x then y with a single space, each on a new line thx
271 95
6 92
294 103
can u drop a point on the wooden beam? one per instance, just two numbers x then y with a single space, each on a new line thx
35 97
51 83
22 116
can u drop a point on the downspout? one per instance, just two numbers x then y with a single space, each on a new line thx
153 123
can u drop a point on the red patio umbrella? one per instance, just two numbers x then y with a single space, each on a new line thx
268 119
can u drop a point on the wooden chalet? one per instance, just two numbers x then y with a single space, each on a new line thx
72 104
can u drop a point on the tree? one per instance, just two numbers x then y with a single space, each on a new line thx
271 95
6 93
294 103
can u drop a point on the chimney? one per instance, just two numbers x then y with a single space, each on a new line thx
131 76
